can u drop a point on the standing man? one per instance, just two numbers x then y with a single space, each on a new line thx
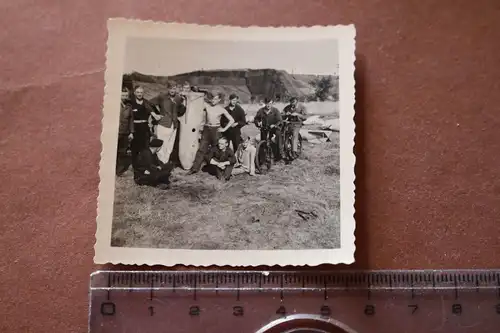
269 120
295 113
212 129
233 134
125 132
171 106
186 88
141 111
149 169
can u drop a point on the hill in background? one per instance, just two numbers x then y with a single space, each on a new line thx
249 84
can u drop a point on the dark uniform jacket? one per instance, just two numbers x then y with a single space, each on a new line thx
146 160
273 118
141 111
222 156
170 110
126 125
238 115
299 109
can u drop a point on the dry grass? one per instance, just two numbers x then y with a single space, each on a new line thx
259 212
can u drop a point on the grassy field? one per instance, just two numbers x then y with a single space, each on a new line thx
259 212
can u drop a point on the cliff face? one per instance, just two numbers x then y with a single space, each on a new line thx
248 84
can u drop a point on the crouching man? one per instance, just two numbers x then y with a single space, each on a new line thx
150 170
221 160
245 158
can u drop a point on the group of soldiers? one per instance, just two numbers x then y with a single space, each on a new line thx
148 129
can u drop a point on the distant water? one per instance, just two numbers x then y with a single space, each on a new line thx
327 109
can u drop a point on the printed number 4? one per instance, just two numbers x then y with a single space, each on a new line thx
281 311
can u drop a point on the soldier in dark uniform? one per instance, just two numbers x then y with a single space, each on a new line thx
141 110
149 170
221 160
233 134
268 119
125 133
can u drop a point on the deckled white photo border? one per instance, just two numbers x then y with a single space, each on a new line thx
119 30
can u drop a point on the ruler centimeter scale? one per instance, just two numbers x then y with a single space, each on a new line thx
306 301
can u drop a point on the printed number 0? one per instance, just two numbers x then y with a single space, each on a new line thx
108 309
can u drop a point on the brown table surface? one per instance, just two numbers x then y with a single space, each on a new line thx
428 136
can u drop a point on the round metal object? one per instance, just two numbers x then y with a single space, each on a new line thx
305 323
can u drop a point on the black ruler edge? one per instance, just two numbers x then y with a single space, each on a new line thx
366 278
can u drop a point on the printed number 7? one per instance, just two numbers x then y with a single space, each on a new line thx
414 307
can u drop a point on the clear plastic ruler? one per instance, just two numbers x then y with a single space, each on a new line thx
305 301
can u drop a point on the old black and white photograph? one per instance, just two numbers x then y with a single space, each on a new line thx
227 145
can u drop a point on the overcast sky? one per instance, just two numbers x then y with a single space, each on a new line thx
167 57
